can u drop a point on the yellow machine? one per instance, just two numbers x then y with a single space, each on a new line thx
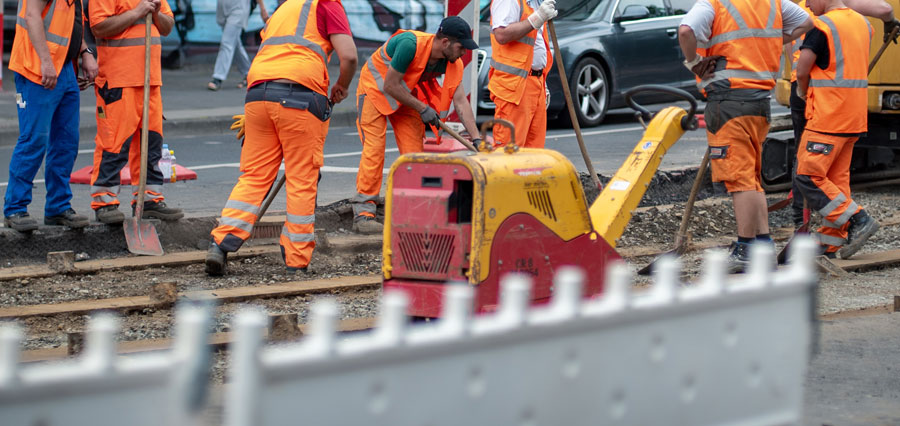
475 216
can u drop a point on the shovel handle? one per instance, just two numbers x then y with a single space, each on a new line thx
689 206
881 50
139 208
457 136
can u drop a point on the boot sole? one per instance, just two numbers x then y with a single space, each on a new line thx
70 224
26 228
214 267
849 250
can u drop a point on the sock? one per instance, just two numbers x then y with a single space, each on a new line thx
764 237
745 240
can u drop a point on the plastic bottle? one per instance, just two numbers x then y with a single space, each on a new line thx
165 163
172 171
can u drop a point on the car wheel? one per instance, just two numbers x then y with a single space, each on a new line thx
590 92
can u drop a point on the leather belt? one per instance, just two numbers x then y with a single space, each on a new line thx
537 73
294 87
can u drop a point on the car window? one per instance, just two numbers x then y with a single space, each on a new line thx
657 8
680 7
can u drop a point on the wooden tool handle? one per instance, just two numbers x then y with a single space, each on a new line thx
883 46
457 136
145 118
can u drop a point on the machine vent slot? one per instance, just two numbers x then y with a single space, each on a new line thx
426 253
540 200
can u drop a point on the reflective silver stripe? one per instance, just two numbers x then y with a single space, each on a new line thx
363 203
828 239
52 38
297 38
236 223
839 80
297 238
844 217
380 82
518 72
829 224
301 220
740 34
101 193
111 189
726 74
735 14
834 204
851 84
770 23
527 40
242 206
125 42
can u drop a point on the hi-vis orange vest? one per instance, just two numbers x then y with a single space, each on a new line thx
121 57
59 18
748 34
371 78
837 96
511 62
293 49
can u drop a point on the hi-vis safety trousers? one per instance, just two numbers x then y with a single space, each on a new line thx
735 132
823 175
372 126
529 117
118 141
275 131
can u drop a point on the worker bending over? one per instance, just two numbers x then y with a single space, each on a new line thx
874 8
520 61
734 48
409 59
832 76
286 118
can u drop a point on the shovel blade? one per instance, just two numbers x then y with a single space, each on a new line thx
142 237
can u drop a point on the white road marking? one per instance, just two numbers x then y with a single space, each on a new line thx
357 133
595 132
2 184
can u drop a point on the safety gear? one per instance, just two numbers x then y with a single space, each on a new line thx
837 101
545 12
888 27
67 218
739 257
275 132
367 225
692 63
21 222
529 116
735 132
373 73
429 116
159 210
291 95
118 141
109 214
216 260
293 49
238 125
44 113
702 67
58 18
748 35
297 272
511 63
862 226
121 57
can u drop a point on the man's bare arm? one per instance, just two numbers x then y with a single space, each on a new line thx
34 24
874 8
464 110
512 32
346 51
804 66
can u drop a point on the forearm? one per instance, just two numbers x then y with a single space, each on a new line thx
688 42
512 32
115 24
348 70
464 111
874 8
164 23
802 83
797 32
262 9
35 27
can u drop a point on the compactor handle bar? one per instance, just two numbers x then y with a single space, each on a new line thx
688 122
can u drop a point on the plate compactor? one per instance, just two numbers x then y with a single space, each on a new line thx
473 217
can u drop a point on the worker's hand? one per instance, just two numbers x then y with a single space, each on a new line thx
48 75
430 116
703 67
888 27
338 93
545 12
89 66
801 95
144 7
238 125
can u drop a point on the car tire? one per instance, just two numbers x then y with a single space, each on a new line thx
589 86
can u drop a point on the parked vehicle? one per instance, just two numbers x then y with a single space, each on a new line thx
608 47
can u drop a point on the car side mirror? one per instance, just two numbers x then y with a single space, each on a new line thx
633 12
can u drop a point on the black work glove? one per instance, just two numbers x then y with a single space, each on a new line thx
888 27
430 116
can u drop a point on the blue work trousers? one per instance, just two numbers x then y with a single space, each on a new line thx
48 124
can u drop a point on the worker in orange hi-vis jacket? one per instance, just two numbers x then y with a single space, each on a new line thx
287 109
832 76
118 26
398 83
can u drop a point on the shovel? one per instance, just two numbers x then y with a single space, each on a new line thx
457 136
681 239
883 46
141 236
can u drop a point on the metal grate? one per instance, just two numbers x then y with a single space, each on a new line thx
540 199
426 253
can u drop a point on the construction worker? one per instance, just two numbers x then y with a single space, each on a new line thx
47 46
874 8
832 76
520 61
118 26
286 118
734 49
409 59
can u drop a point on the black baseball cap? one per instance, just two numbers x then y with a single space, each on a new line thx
458 28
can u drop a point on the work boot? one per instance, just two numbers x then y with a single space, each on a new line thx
862 226
297 272
823 251
739 258
21 222
67 218
216 259
109 215
367 225
159 210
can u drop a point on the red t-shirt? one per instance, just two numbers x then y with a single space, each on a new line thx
331 19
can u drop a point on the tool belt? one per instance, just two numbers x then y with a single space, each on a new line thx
291 95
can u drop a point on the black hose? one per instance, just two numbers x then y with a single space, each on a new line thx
688 122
